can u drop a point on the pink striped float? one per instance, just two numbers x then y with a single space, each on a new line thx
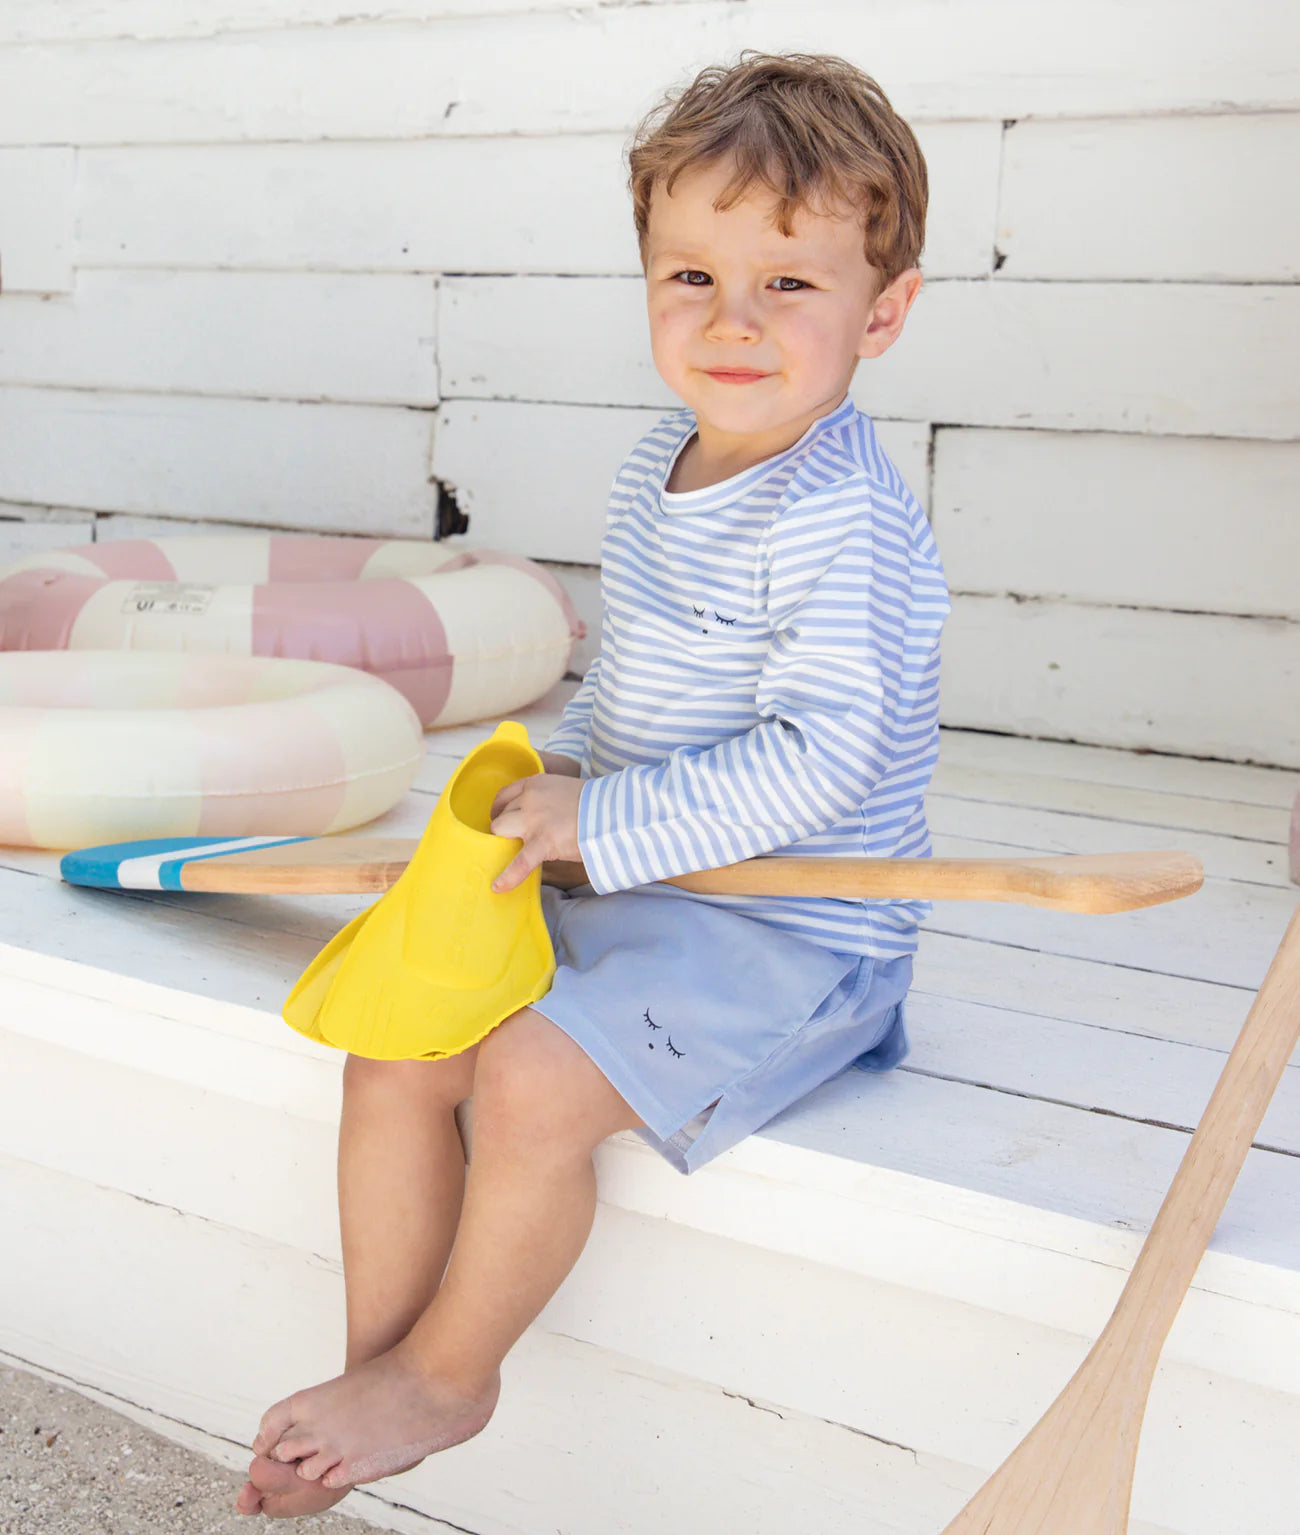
463 634
100 746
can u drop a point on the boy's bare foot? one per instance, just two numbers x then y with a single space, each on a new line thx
278 1491
383 1417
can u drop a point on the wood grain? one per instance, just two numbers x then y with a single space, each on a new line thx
1110 882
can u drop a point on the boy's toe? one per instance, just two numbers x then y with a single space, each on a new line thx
275 1422
249 1500
269 1476
315 1467
296 1447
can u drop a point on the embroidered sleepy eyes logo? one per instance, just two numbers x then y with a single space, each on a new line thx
700 612
650 1044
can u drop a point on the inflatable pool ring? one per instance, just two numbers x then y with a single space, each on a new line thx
108 745
463 634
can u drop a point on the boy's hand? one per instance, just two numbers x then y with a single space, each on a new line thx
542 811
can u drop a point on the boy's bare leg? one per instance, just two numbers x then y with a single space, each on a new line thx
401 1177
540 1109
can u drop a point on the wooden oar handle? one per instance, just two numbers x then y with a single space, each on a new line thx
1073 1472
1103 883
1109 882
1217 1151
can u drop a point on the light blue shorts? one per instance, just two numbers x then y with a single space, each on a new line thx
707 1022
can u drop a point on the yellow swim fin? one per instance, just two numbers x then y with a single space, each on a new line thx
439 959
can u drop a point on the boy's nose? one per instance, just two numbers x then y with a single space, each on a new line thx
731 319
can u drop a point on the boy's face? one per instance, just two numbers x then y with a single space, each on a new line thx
756 330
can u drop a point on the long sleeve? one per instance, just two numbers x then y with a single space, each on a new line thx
834 698
571 736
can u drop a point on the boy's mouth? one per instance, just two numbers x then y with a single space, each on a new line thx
736 375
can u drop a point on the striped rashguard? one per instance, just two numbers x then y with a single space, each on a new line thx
767 683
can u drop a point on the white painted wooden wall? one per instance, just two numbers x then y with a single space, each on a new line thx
290 263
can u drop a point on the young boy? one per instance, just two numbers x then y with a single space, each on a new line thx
767 682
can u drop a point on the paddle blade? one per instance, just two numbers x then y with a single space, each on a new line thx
158 863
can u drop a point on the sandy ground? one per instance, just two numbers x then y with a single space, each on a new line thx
71 1467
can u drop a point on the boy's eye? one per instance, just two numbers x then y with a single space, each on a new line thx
696 279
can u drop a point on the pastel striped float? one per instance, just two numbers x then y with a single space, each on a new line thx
463 634
115 745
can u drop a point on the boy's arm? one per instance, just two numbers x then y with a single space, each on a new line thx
566 766
854 654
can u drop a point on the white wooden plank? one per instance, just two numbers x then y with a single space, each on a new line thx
21 538
1096 1069
1045 833
988 60
493 205
1006 60
1140 204
460 76
300 336
1190 359
1126 998
1141 769
535 478
116 527
580 341
1227 932
908 445
36 220
1175 682
1204 525
39 21
1263 825
905 1487
484 205
328 468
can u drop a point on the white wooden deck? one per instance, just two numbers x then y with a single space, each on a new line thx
842 1325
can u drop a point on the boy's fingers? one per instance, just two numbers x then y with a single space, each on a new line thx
506 822
508 795
515 872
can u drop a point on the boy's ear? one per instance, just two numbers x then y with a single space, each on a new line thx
885 321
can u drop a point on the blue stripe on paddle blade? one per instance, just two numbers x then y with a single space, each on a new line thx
98 866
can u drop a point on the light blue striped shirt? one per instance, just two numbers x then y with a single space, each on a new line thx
768 676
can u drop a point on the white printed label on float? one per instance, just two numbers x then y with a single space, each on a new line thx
169 597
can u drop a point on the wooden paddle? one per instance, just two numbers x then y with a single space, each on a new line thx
1074 882
1073 1473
